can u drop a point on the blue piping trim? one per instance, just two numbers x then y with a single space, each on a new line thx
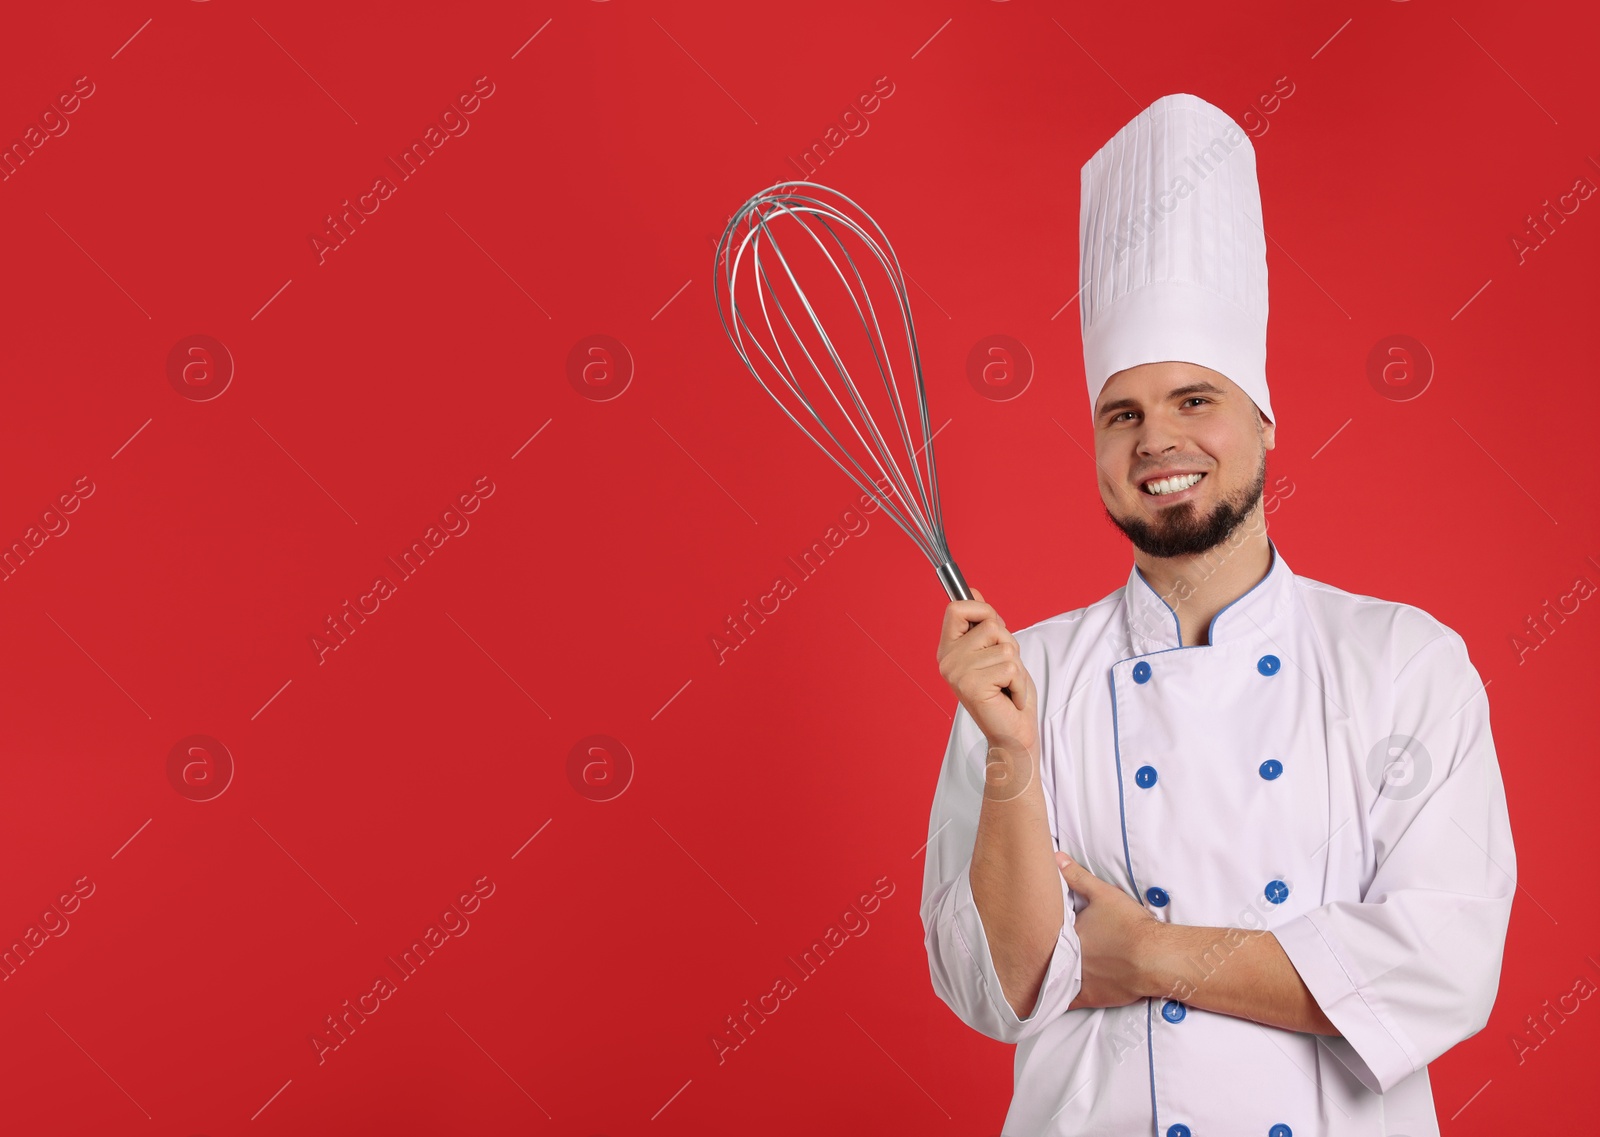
1122 809
1211 629
1127 859
1177 628
1116 740
1150 1049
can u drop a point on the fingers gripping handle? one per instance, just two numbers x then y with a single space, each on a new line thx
956 586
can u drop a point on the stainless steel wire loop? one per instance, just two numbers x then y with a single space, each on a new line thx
779 327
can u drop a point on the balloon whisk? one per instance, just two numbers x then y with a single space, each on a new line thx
812 297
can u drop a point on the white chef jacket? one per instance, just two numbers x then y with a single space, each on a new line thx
1323 768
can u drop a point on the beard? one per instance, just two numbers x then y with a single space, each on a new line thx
1181 531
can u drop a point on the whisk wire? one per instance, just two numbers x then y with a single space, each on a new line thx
878 447
918 510
933 521
908 525
863 481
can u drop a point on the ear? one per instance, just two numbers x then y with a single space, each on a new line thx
1269 431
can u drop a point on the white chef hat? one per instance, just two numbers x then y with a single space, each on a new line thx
1172 259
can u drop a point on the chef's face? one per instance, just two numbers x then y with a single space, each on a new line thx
1158 424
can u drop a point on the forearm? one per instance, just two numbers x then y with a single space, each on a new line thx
1233 971
1015 882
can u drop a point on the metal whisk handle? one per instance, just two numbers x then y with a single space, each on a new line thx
956 585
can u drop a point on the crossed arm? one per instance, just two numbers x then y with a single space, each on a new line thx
1128 954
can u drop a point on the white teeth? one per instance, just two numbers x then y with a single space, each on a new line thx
1173 484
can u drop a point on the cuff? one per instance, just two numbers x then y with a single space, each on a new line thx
1062 978
1370 1047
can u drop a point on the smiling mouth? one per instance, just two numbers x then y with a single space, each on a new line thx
1175 484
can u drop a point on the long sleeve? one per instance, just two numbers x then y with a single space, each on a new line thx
958 949
1412 968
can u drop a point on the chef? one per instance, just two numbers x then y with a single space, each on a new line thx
1228 851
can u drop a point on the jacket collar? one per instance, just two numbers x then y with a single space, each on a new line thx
1152 625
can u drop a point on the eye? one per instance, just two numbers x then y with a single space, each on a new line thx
1197 399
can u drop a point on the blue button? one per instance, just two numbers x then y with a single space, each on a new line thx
1280 1131
1173 1012
1271 768
1277 891
1177 1131
1268 665
1156 896
1145 776
1141 672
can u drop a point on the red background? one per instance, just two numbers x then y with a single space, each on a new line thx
370 390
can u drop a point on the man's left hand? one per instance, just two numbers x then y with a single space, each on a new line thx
1119 939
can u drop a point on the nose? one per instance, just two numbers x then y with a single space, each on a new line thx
1157 437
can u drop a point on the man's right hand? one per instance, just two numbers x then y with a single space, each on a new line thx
1016 886
980 659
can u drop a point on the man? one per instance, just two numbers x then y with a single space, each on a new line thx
1240 863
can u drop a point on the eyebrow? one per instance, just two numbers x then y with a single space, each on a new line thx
1200 388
